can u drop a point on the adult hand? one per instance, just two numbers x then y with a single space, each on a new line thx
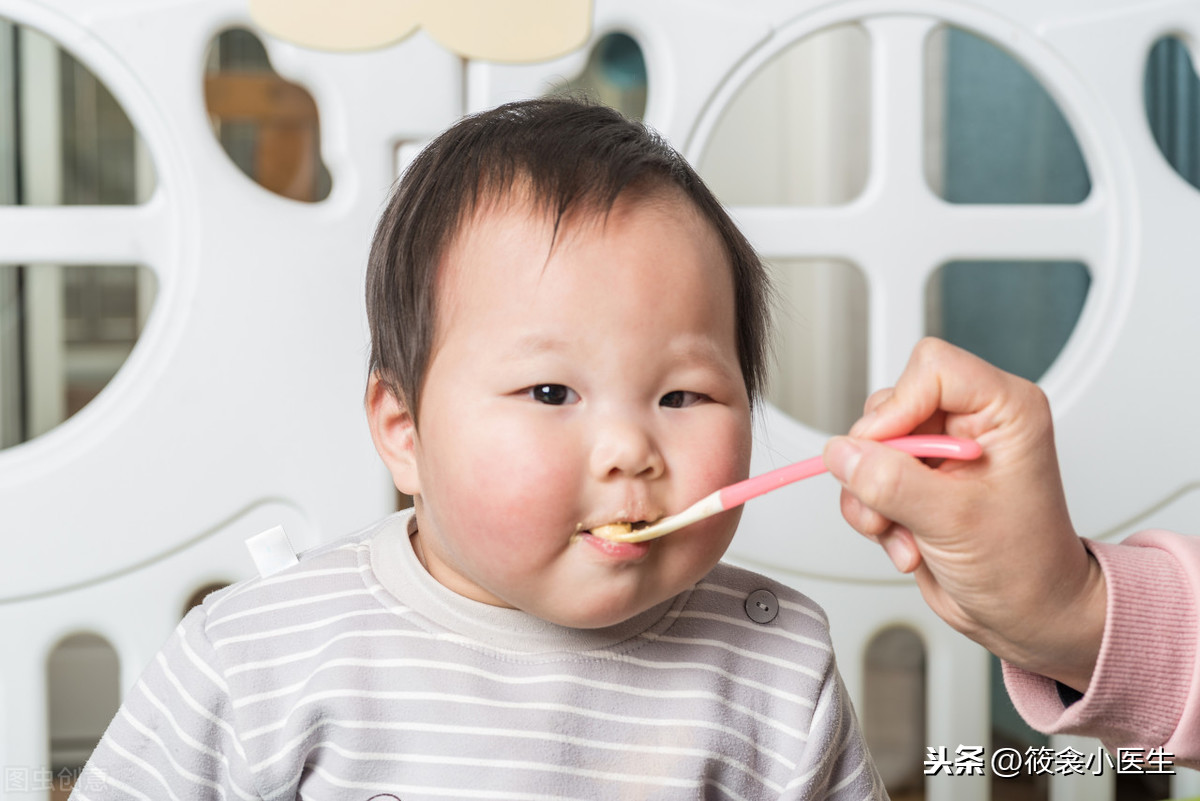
989 541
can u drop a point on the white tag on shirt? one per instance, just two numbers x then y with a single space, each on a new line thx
271 551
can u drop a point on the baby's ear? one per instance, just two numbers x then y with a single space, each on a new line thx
394 433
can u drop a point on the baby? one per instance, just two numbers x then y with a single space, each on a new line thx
568 332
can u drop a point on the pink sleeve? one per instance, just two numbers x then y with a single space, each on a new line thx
1145 691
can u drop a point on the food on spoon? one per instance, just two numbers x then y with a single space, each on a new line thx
611 530
617 532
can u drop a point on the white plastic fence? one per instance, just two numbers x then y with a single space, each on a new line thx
240 407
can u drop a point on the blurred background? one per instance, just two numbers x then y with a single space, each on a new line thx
993 134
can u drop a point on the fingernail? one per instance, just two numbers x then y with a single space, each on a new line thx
900 552
842 458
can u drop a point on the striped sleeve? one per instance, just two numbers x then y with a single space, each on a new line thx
836 763
174 736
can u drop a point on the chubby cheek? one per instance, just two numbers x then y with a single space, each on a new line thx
720 458
723 454
692 556
517 485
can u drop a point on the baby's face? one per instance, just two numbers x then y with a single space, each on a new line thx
602 385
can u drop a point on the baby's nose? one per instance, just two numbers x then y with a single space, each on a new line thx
626 448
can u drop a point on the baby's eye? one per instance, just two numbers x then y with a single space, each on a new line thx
553 394
681 398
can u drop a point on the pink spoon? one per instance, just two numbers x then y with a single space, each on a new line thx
925 446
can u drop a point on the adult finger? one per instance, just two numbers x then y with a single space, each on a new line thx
939 379
893 484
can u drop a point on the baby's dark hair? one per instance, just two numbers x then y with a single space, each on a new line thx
567 156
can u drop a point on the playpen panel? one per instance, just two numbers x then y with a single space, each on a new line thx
258 325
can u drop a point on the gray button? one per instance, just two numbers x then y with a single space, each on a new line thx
762 606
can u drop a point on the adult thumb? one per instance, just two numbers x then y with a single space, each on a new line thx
891 482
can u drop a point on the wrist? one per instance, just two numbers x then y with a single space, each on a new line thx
1061 633
1073 649
1144 677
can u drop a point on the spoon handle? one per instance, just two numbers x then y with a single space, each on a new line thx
937 446
926 446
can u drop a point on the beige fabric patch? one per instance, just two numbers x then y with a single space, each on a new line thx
510 31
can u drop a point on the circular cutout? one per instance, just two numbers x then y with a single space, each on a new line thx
819 373
993 132
65 330
896 230
615 75
797 132
996 136
1172 96
83 694
268 126
898 233
894 708
1016 315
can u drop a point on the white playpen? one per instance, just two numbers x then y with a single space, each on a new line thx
240 407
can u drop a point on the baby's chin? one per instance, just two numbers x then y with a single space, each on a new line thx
596 620
583 610
599 612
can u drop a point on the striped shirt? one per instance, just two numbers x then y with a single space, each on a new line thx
355 675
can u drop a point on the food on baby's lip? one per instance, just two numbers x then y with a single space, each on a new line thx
612 530
615 531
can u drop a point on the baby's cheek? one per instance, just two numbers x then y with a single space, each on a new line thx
543 496
727 455
527 487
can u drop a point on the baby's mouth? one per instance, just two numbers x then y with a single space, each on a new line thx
614 531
